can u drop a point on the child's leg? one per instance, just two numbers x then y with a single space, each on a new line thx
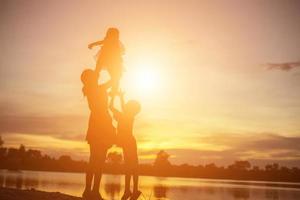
126 155
99 65
131 161
127 192
135 168
115 73
127 170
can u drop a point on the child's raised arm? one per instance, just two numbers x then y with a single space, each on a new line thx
98 43
116 113
122 100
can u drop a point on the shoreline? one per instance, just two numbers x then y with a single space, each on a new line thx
186 177
294 185
32 194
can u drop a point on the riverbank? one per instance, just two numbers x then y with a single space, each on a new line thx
15 194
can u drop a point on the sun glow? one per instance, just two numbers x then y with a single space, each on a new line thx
144 77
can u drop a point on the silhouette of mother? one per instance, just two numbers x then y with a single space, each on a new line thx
100 134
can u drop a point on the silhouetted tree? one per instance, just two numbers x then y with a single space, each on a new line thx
211 166
162 159
22 151
1 141
34 154
240 165
272 167
65 158
255 168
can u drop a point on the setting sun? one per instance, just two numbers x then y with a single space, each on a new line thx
144 77
147 79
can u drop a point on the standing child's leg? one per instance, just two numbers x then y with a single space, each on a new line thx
115 73
127 192
136 192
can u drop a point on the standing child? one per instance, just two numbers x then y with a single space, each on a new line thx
110 56
126 140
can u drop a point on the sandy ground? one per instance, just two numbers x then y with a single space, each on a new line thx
15 194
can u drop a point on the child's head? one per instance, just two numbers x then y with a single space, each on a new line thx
88 78
112 33
132 108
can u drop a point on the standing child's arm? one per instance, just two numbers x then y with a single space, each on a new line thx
122 100
116 113
98 43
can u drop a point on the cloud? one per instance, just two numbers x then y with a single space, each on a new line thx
258 148
283 66
60 126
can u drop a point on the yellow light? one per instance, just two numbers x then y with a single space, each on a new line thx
147 79
143 77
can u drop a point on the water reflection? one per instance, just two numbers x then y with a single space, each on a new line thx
160 191
112 189
272 194
240 193
153 188
1 181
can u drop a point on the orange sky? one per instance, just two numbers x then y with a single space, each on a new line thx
198 68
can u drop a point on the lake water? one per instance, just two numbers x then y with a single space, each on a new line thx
152 187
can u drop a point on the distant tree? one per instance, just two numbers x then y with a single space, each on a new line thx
22 149
22 152
34 154
65 158
211 166
114 158
1 141
275 166
240 165
272 167
162 159
255 168
284 169
13 153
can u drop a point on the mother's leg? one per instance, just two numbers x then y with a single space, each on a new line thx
89 173
100 154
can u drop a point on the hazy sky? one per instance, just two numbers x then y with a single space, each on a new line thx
197 67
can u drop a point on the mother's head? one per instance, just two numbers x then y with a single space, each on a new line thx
89 78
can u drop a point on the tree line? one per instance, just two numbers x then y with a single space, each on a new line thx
30 159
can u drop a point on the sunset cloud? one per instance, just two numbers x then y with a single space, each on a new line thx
60 126
283 66
261 148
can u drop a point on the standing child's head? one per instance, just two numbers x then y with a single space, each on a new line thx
132 108
112 34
